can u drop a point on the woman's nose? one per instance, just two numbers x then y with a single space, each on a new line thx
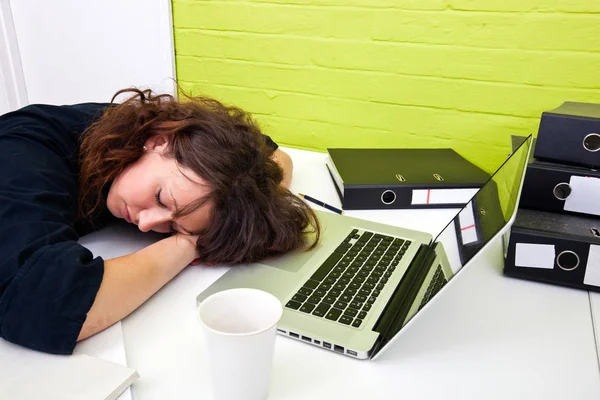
154 220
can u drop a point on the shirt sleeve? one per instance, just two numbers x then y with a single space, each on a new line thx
48 281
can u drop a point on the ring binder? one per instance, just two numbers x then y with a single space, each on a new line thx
403 178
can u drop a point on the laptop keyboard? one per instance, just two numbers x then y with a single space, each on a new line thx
347 284
437 282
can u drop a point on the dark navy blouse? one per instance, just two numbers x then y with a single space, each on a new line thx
48 281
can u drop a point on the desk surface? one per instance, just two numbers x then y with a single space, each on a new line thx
484 336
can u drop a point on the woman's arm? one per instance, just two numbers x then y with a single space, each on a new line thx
285 162
130 280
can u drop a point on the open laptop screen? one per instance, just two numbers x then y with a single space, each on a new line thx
489 213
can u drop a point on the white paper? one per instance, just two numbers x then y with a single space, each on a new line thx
592 268
34 375
442 196
585 195
468 229
107 345
530 255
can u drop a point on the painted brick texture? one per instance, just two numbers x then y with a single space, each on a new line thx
465 74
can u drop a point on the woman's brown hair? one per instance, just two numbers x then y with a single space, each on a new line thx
253 216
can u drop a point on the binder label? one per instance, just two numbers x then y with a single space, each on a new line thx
530 255
442 196
585 195
468 229
592 269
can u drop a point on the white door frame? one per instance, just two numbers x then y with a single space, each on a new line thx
13 92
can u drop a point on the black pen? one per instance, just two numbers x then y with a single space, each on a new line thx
319 202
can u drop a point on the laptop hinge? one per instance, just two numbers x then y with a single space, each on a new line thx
397 309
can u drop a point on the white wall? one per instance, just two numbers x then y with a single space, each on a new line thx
13 94
85 50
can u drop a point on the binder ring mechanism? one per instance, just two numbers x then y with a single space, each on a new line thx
562 191
567 260
592 142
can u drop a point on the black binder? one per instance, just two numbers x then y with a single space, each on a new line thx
561 188
570 134
403 178
555 248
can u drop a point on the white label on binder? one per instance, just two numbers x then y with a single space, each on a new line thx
442 196
468 230
592 269
530 255
585 195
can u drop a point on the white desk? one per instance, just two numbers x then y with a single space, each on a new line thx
595 308
485 336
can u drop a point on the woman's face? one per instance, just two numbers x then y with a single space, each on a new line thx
150 191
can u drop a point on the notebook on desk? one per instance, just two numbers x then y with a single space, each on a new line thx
364 281
33 375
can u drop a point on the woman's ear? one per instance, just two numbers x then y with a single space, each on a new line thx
157 143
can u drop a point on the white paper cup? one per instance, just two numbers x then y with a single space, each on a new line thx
240 326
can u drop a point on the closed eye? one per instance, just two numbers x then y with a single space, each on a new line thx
162 205
157 199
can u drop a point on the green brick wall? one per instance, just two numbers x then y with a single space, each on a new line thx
385 73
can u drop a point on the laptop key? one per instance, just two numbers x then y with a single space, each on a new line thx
299 297
334 292
305 291
368 285
362 315
294 305
351 312
354 284
341 250
345 298
307 308
357 323
333 314
310 284
329 299
341 305
326 267
360 298
366 236
313 299
356 305
321 310
345 320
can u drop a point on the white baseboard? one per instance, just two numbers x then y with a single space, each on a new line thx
13 93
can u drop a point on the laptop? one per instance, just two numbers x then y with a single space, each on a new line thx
365 280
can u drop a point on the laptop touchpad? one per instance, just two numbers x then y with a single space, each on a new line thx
292 261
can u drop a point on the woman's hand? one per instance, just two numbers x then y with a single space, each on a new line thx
285 162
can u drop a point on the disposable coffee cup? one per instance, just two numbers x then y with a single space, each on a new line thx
240 326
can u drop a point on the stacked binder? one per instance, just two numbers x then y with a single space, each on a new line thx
556 235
